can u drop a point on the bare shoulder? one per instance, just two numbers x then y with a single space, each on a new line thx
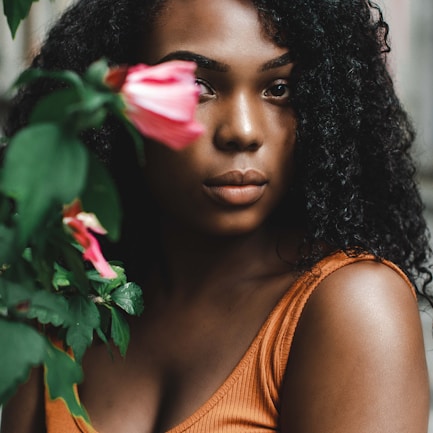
366 303
24 412
364 287
357 362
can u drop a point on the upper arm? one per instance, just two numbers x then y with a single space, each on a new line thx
24 412
357 362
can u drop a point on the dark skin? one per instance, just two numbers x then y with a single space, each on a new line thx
353 367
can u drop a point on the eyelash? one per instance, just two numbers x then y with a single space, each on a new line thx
202 83
279 83
210 92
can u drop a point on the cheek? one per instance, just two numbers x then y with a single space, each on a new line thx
284 156
281 161
281 181
172 176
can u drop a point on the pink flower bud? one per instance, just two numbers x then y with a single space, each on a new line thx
160 100
78 223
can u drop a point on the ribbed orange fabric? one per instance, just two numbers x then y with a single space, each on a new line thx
248 401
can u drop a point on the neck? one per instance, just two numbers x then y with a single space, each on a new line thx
194 260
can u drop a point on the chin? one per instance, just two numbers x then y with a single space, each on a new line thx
232 226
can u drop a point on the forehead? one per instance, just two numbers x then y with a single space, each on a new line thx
217 28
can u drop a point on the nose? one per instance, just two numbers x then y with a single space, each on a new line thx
239 126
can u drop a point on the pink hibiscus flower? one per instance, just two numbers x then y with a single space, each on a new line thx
160 100
79 222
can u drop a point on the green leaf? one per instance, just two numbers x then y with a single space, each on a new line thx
58 170
129 297
119 331
6 208
65 76
49 307
41 258
13 293
120 278
92 109
101 197
136 137
61 375
17 286
85 319
76 274
82 106
8 246
9 249
22 348
16 11
103 337
62 99
104 286
95 74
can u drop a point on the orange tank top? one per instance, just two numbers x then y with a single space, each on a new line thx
249 399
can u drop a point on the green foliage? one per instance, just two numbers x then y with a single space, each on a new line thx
22 348
15 11
49 308
60 372
129 298
85 320
58 164
119 331
99 197
47 291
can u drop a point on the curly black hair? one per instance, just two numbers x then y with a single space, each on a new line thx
355 181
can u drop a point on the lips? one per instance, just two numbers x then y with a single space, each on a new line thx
236 187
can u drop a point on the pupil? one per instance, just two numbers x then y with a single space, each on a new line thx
279 90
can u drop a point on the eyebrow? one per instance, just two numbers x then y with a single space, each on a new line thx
282 60
215 65
202 61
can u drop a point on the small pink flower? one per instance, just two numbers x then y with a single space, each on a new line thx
160 100
78 222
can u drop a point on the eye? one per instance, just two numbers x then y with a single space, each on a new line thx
206 90
278 91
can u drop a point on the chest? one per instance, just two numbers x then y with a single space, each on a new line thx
177 360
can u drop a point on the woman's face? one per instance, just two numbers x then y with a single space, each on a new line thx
231 178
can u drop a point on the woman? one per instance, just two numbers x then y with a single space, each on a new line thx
277 252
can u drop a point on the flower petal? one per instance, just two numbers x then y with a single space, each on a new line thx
175 135
173 100
79 222
175 70
72 209
116 77
91 221
93 254
161 100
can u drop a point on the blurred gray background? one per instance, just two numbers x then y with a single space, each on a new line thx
410 62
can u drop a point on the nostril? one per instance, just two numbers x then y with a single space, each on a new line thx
238 145
233 140
254 146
